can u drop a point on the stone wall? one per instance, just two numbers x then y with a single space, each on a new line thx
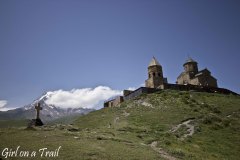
126 92
113 102
199 89
204 80
189 87
184 78
140 91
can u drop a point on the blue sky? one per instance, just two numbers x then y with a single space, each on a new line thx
65 44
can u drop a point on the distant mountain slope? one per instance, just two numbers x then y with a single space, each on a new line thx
49 112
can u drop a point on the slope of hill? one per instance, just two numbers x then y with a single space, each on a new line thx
163 125
185 125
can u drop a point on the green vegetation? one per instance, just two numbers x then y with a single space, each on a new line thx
64 120
13 123
153 126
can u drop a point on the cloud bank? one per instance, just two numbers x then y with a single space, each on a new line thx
81 98
2 104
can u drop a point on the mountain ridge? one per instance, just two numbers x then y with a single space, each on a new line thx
48 113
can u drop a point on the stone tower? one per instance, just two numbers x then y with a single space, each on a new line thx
191 67
155 75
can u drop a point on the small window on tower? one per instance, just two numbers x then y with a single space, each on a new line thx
159 74
154 74
149 75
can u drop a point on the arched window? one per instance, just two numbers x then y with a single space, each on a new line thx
154 74
159 74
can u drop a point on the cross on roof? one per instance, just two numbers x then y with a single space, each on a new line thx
38 108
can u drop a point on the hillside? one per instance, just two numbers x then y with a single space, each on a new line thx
164 125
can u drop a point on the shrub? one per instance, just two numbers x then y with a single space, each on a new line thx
198 129
205 105
217 126
226 122
215 110
209 119
178 153
196 110
193 100
189 139
185 101
191 105
167 142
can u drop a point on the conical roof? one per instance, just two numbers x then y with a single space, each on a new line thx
154 62
189 60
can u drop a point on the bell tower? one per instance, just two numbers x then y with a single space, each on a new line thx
191 67
155 75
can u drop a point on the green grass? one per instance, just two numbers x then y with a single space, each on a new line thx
13 123
125 132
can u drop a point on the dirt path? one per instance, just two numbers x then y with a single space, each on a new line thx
190 128
116 120
144 103
163 154
125 113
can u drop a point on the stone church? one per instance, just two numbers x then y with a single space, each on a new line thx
192 76
190 79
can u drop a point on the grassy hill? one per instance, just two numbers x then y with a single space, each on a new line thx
164 125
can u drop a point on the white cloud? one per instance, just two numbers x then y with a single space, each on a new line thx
2 104
134 88
142 85
131 88
84 98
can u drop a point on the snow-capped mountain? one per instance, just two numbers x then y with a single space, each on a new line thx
49 112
